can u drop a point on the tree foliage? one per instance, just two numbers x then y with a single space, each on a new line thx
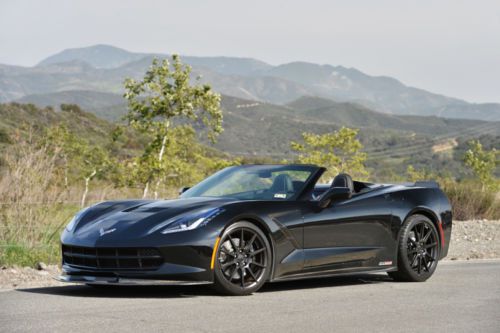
165 99
185 161
79 159
419 175
339 151
482 163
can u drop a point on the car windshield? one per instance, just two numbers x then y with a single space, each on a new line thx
255 182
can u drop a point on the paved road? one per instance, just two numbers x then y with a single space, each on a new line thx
460 297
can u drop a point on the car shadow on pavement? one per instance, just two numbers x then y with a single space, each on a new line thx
326 282
201 290
123 291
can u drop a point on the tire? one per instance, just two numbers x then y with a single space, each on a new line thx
418 250
241 268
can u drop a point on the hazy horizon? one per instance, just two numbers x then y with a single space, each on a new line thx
447 47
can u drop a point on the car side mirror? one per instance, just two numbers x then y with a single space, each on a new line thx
184 189
334 194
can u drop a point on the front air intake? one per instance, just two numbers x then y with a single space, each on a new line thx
114 259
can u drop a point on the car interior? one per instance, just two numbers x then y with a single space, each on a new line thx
341 180
283 184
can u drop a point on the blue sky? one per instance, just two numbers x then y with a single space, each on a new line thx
445 46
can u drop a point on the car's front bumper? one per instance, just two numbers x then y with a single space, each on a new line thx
186 258
189 272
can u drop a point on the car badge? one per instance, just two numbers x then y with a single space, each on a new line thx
103 232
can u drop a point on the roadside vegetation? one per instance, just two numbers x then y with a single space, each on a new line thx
54 163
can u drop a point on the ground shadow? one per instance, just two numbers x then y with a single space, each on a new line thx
200 290
327 282
123 291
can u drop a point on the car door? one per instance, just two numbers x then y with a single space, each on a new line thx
352 233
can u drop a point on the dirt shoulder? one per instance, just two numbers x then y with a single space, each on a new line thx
478 239
27 277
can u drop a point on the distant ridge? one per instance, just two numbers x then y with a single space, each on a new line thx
103 68
99 56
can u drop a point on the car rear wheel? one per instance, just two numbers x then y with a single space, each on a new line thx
418 250
243 260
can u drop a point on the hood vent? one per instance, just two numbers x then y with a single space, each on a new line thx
146 208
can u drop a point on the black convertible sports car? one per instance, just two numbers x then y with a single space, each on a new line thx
246 225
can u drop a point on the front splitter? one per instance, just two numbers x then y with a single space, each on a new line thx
100 280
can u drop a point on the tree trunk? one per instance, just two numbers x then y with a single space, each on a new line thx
65 178
146 190
87 181
157 185
160 158
65 173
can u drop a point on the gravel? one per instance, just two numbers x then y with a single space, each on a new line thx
479 239
27 277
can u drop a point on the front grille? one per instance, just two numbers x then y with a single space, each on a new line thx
106 258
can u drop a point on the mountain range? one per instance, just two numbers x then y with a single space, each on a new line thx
97 72
266 129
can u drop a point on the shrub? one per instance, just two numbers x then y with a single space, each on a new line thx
469 201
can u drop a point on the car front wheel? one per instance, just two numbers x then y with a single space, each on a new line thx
243 259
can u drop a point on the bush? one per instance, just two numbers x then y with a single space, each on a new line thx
469 201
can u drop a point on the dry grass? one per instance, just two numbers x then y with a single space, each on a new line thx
31 211
470 202
35 207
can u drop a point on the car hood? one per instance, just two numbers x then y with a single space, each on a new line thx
136 218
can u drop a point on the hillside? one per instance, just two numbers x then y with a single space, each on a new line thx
87 99
108 106
103 68
358 116
280 124
260 130
277 125
381 93
23 119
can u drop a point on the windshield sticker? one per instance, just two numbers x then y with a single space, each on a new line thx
280 195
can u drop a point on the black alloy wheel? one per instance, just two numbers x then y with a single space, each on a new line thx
242 260
418 250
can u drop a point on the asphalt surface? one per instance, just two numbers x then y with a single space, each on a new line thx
460 297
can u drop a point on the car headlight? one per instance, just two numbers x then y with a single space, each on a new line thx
72 222
188 221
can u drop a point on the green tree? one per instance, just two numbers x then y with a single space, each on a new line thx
339 151
79 159
94 162
186 161
482 163
162 100
65 145
418 175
